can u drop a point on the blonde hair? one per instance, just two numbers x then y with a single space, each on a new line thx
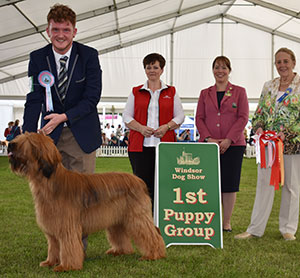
287 51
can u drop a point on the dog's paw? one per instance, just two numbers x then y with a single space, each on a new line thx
61 268
113 252
146 258
47 263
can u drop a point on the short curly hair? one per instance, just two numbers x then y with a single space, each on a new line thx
60 13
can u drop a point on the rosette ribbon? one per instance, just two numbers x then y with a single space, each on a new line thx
46 79
270 142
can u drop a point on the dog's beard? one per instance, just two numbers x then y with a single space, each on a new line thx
17 164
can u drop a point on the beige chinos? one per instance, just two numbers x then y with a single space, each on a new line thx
73 157
289 208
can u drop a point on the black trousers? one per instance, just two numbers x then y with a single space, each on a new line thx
143 166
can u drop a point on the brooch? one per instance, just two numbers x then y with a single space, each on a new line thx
228 93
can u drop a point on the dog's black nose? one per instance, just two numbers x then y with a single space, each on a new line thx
11 147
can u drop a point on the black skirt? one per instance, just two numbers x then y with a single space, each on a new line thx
230 165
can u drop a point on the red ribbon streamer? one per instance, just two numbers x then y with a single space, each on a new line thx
277 171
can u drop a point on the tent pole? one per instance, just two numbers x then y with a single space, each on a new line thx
104 118
272 57
171 58
222 35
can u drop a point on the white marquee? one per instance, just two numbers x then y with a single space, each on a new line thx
189 33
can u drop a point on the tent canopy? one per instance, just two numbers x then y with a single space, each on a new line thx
189 33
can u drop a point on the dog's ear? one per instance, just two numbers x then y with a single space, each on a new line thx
46 168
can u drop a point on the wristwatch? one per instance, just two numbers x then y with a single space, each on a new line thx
206 139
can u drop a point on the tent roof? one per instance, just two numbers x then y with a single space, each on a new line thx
108 25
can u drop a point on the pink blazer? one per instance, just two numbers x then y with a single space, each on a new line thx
227 122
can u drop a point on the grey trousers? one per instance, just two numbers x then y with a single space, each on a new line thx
289 207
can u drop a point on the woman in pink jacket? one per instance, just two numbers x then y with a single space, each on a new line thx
222 114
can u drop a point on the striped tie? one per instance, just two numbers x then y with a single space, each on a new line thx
62 78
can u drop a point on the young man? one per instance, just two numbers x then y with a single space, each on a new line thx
66 93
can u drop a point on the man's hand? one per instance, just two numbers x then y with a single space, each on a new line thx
54 120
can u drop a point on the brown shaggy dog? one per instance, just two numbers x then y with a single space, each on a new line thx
69 205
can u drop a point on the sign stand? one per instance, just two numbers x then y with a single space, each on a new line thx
188 207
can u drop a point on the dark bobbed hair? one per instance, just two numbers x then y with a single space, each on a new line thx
222 59
152 58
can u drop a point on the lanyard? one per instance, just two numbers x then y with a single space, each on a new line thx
287 91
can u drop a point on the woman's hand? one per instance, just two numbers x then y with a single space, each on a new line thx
212 140
259 131
161 131
224 145
281 135
146 131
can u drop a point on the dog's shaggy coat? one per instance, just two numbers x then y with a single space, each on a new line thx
70 205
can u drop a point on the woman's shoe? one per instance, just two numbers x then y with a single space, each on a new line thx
244 235
288 236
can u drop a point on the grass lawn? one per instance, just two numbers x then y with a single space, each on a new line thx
23 245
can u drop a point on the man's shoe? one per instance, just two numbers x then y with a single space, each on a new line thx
288 236
244 235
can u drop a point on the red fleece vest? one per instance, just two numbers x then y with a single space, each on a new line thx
141 103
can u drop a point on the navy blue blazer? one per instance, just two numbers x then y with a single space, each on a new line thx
82 95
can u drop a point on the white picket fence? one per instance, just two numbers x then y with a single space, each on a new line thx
104 151
109 151
250 151
3 150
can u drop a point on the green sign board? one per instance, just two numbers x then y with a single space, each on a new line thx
187 195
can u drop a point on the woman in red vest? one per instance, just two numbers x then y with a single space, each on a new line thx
152 112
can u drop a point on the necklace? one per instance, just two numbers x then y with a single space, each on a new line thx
287 82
